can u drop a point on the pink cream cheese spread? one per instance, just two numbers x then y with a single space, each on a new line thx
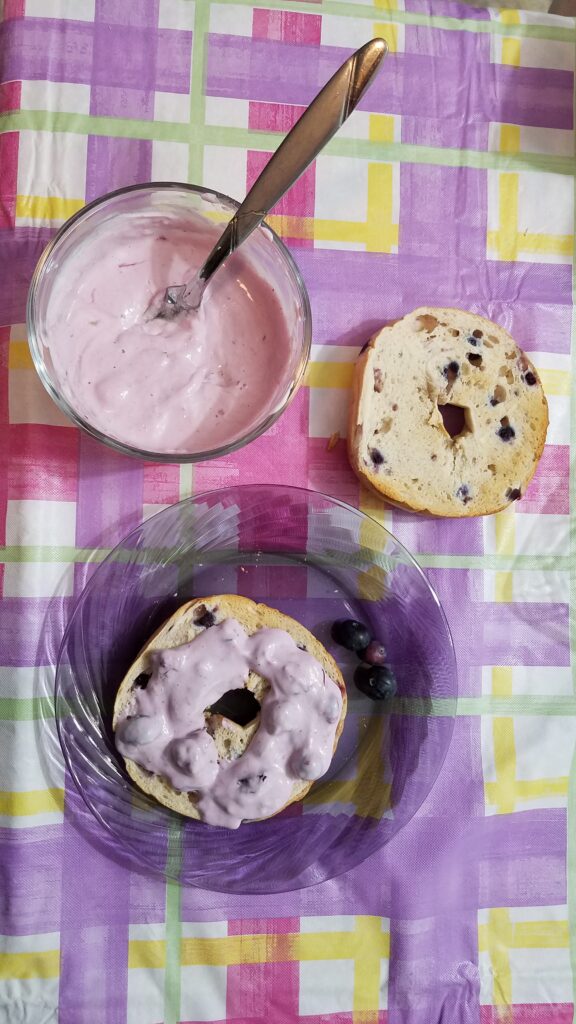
194 384
163 729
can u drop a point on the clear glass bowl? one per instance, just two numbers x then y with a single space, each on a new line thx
318 560
266 253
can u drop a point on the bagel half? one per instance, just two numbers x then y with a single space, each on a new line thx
397 442
231 739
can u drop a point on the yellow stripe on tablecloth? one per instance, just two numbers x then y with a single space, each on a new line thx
510 138
233 950
34 801
18 966
329 375
367 970
502 681
511 53
529 935
555 382
47 207
19 357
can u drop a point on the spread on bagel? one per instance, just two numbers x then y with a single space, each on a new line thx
164 726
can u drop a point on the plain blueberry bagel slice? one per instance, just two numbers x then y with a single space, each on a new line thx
448 415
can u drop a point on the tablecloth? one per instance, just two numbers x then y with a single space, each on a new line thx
453 184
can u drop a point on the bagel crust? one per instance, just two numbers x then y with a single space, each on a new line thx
398 444
231 739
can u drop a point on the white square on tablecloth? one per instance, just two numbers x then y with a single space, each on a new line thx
34 521
169 161
27 771
52 164
65 97
541 976
203 993
341 189
225 111
544 746
326 986
231 19
145 1004
172 106
38 579
225 170
68 9
328 412
177 14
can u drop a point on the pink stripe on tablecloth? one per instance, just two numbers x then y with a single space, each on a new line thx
266 990
287 26
549 491
43 462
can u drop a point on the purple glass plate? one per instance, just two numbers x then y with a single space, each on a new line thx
316 559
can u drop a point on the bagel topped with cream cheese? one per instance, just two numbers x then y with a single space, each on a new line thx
172 725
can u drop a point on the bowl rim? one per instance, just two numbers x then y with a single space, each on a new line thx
67 408
197 498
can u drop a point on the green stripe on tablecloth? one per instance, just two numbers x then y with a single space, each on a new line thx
378 14
173 928
244 138
197 125
26 709
495 562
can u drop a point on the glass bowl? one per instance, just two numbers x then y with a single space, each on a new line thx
318 560
266 253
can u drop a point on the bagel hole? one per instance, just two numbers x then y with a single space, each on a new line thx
240 706
457 419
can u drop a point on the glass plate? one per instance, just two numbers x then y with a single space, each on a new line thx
318 560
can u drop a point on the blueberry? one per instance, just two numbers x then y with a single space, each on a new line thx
376 456
350 634
142 680
530 378
463 493
374 654
506 433
513 493
251 783
376 681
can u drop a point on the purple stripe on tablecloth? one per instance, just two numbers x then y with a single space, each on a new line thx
462 49
434 974
19 250
110 101
123 56
438 536
448 9
443 134
22 625
109 495
93 928
522 633
402 880
280 72
30 880
137 13
112 163
383 287
444 211
522 859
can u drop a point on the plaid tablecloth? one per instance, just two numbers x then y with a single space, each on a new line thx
454 184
